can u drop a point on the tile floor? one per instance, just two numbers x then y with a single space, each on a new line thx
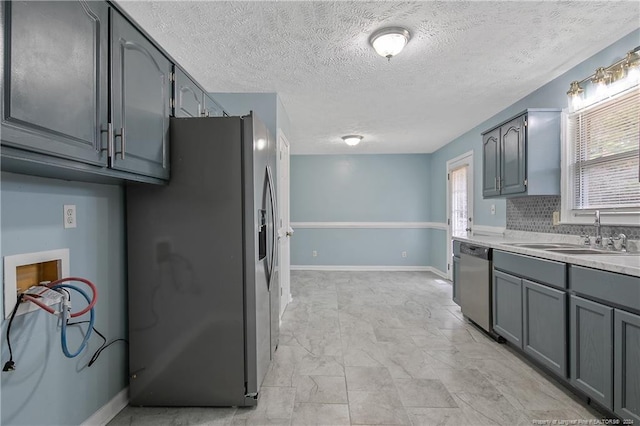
385 348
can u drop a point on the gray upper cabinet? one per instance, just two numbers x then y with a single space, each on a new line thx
591 331
627 365
189 98
512 167
141 102
55 79
490 163
545 326
521 156
212 108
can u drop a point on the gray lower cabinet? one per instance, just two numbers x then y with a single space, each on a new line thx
456 279
188 96
591 332
627 365
507 306
544 324
55 93
141 102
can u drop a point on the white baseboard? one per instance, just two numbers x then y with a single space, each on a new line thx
438 272
364 268
108 411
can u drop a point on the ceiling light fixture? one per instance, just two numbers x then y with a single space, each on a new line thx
389 41
352 140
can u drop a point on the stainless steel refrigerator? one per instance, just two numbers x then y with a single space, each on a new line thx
202 261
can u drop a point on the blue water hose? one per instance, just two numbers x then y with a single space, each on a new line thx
63 334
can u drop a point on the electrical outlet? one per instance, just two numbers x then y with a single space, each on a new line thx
493 209
404 254
314 253
556 218
70 216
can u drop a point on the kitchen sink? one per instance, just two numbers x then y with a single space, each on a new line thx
544 246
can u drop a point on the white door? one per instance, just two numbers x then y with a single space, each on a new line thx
459 201
284 230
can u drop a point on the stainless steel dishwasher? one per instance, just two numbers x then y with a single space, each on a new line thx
475 284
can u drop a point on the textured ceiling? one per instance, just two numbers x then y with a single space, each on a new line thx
466 61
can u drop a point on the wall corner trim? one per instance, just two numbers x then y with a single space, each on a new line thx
369 225
108 411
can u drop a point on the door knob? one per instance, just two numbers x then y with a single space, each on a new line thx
288 234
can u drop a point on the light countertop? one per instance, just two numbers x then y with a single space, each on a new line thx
628 264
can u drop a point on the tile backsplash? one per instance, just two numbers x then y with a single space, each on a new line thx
535 214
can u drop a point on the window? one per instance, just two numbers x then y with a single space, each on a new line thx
601 145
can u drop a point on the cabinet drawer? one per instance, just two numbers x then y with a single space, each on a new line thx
544 271
622 290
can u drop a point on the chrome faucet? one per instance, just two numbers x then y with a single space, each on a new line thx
623 245
598 240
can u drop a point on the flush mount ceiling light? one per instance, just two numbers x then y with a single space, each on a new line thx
352 140
389 41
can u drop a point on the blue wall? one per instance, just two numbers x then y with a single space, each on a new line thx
46 387
360 188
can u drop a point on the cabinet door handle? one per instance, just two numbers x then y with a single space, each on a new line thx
495 184
109 133
123 142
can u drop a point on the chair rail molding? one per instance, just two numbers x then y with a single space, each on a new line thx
369 225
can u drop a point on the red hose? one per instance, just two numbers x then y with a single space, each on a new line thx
39 303
94 290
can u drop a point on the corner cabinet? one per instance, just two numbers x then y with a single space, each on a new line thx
521 156
55 96
627 365
605 338
191 100
141 88
212 108
188 96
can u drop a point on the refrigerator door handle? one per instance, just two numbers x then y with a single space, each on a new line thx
272 196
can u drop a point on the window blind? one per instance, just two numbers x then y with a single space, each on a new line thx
459 200
605 142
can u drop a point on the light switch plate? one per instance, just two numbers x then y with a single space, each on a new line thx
556 218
